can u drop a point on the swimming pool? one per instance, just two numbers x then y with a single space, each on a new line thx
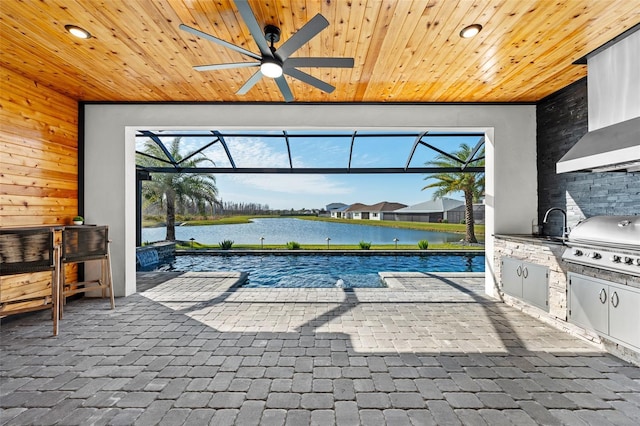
313 271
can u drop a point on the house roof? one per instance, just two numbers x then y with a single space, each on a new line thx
383 206
438 205
336 206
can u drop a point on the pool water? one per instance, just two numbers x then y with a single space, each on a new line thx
325 271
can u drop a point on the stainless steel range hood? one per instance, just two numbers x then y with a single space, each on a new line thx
611 148
613 86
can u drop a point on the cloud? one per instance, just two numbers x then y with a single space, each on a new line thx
294 184
249 152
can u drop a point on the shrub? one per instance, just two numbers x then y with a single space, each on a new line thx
445 220
364 245
423 244
226 244
293 245
462 222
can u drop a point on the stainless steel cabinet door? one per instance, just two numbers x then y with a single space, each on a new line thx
589 303
624 315
512 276
535 285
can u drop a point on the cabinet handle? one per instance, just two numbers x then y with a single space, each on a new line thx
525 272
603 296
519 271
615 300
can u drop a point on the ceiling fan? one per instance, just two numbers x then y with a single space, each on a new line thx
275 62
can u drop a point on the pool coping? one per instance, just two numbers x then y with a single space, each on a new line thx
393 280
331 252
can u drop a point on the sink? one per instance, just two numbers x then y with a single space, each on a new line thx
541 238
553 239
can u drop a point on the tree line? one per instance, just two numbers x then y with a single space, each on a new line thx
234 208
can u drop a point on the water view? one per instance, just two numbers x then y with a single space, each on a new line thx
283 230
342 271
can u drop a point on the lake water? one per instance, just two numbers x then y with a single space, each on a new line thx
313 271
282 230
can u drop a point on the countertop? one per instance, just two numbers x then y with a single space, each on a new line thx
529 238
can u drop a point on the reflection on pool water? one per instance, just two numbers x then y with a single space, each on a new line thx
345 271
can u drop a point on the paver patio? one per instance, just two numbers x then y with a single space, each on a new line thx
194 350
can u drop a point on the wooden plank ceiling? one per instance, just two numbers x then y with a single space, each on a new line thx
404 50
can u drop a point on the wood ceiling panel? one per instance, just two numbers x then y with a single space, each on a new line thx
404 51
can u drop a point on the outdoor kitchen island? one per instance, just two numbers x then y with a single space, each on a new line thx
538 261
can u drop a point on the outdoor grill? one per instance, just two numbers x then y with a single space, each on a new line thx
606 242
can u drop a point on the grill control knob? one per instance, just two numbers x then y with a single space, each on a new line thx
637 261
628 260
577 252
615 258
594 255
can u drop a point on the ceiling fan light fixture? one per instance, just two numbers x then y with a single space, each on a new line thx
76 31
270 68
470 31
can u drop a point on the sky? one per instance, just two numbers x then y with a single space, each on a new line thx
317 191
310 191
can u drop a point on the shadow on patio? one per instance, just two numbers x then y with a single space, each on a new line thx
195 350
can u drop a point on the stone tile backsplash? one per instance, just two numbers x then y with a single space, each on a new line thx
561 122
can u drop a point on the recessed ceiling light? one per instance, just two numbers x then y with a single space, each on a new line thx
470 31
77 31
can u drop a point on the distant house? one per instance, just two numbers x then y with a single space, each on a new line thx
379 211
438 210
336 210
457 215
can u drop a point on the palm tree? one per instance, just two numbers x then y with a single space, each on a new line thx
181 189
471 184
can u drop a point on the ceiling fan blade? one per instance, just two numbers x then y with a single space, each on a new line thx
319 62
284 88
226 44
254 27
250 83
215 67
309 79
306 33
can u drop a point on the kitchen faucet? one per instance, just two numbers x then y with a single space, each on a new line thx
565 229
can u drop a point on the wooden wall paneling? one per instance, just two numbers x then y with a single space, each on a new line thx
38 171
15 288
38 141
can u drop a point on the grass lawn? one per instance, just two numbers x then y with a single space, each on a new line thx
421 226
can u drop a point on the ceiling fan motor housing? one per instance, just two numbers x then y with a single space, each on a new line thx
272 34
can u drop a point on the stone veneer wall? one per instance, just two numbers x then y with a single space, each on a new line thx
562 120
549 255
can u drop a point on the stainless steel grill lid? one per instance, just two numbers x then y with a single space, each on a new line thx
611 231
